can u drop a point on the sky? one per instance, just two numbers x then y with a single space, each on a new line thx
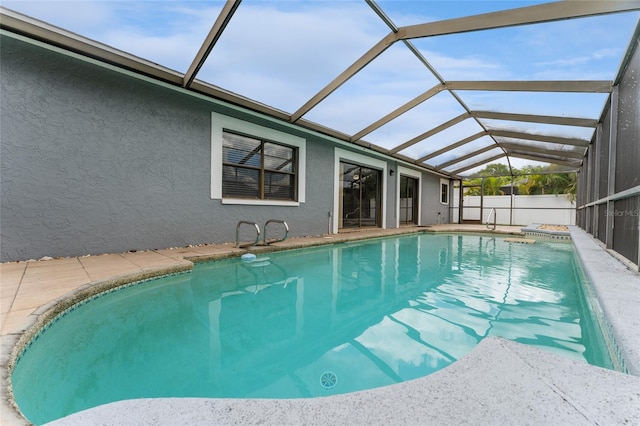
281 53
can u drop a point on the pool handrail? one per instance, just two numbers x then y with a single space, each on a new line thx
286 231
238 233
492 211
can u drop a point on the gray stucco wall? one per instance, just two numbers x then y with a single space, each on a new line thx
432 210
96 161
392 182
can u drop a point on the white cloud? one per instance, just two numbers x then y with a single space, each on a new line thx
306 50
587 66
467 67
168 33
283 52
76 16
604 53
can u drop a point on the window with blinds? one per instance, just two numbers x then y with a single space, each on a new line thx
257 169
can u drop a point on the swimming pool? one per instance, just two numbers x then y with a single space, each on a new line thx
309 323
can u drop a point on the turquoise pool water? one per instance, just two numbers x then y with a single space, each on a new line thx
309 323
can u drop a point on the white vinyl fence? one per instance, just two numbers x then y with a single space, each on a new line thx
522 210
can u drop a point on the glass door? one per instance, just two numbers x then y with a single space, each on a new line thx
360 196
408 201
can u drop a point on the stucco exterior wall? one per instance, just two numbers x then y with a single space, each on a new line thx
433 211
96 161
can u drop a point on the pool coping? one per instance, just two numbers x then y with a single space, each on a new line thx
617 290
499 382
616 298
535 231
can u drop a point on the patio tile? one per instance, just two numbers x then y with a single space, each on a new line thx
52 269
177 253
151 259
35 294
10 276
7 300
44 275
106 260
16 321
198 251
9 417
45 266
12 266
105 266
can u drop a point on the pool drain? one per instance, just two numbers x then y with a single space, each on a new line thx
328 379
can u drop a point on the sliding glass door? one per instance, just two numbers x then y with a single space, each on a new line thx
360 196
408 201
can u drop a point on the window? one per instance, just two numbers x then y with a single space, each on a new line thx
444 191
256 165
257 169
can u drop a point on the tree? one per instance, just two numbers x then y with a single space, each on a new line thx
495 169
487 185
539 181
530 180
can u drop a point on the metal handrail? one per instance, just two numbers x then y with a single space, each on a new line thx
238 232
492 211
286 231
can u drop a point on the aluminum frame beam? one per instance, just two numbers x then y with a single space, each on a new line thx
219 93
547 12
627 57
452 146
17 23
540 138
554 86
430 133
399 111
526 15
532 118
525 148
479 163
416 52
424 96
216 31
352 70
52 35
467 156
611 167
543 172
546 159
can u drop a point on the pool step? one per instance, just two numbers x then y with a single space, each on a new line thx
520 240
260 261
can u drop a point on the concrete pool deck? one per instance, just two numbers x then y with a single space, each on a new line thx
499 382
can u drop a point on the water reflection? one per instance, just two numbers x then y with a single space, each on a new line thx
308 323
383 312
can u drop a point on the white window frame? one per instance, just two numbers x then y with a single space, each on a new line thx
219 123
363 160
444 182
416 174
